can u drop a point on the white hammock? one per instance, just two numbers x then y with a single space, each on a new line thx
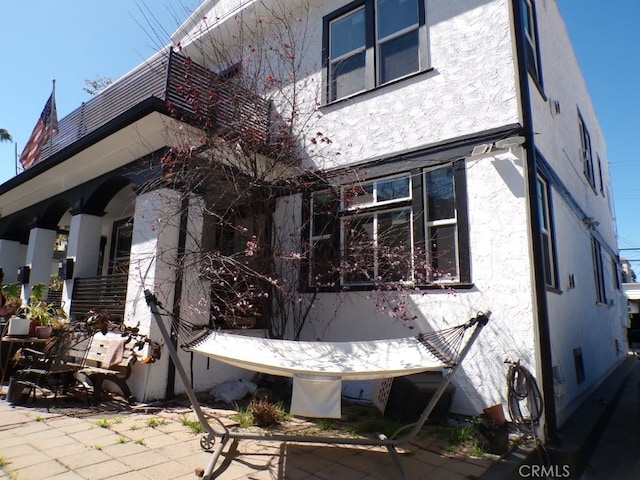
317 369
359 360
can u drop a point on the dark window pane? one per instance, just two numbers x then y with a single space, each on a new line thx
359 250
324 261
527 18
440 194
396 15
393 189
325 210
442 252
399 57
394 245
347 76
546 258
358 195
542 205
347 34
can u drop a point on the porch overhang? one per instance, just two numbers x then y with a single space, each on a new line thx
136 133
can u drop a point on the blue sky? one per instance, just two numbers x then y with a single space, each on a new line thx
73 40
605 39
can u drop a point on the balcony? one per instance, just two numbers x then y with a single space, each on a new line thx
192 93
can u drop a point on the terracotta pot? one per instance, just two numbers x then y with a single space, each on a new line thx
496 413
44 331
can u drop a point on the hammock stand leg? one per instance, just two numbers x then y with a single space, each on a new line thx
382 441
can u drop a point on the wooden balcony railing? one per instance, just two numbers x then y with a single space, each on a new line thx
188 88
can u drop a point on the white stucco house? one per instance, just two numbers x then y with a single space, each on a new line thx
473 134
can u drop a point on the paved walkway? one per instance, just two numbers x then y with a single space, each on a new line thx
617 453
158 445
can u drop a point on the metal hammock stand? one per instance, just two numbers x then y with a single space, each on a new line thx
446 345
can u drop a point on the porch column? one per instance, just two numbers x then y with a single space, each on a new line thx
195 299
12 256
84 248
152 265
39 258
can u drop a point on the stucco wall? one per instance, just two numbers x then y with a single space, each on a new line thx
576 321
471 87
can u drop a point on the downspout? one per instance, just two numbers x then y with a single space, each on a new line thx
170 391
541 307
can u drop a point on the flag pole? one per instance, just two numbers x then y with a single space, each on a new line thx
53 102
15 156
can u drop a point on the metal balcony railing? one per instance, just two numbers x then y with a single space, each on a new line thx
195 93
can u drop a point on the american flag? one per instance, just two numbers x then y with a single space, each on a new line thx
45 130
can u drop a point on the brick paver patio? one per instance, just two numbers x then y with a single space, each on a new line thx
139 444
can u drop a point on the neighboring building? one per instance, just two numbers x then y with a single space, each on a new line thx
477 147
631 289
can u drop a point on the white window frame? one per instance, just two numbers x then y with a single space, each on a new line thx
411 197
431 277
374 208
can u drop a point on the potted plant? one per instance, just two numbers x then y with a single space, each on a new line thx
42 315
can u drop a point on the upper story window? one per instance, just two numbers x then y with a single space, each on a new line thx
546 229
586 153
530 28
409 228
598 271
373 42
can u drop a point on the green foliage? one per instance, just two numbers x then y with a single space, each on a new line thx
11 291
385 426
261 413
156 422
326 424
5 136
194 426
39 311
103 423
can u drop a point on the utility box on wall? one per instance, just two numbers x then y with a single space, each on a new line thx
65 269
23 274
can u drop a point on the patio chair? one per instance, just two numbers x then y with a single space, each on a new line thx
317 368
49 371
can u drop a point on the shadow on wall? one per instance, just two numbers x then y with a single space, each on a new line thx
442 10
511 175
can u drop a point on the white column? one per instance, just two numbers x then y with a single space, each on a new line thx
152 265
40 258
84 248
195 301
12 255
